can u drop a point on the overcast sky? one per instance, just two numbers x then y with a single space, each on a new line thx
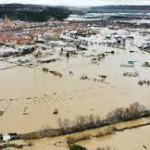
80 2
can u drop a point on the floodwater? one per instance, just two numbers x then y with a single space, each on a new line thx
133 139
29 96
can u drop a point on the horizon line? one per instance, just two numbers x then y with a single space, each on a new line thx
63 5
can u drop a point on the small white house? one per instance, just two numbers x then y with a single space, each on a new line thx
6 137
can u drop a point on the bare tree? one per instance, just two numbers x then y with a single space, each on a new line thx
66 123
97 121
91 119
60 123
81 120
135 108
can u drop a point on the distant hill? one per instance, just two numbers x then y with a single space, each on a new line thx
33 13
120 8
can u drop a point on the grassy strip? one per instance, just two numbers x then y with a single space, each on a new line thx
4 146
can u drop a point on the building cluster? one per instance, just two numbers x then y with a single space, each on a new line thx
20 32
27 33
18 37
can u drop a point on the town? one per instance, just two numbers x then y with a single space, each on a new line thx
65 82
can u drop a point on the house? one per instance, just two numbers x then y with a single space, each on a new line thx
130 37
145 47
8 136
24 41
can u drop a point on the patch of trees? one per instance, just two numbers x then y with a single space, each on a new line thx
38 14
16 146
5 146
77 147
82 123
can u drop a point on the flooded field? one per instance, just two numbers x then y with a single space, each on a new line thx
127 139
93 71
30 95
121 141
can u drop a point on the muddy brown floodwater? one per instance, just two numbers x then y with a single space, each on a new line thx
135 139
28 96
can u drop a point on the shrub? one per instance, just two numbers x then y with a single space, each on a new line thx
55 112
30 143
74 139
105 132
45 69
103 148
77 147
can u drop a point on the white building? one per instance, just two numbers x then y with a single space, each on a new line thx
6 137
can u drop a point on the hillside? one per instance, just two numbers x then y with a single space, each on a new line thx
33 13
120 8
